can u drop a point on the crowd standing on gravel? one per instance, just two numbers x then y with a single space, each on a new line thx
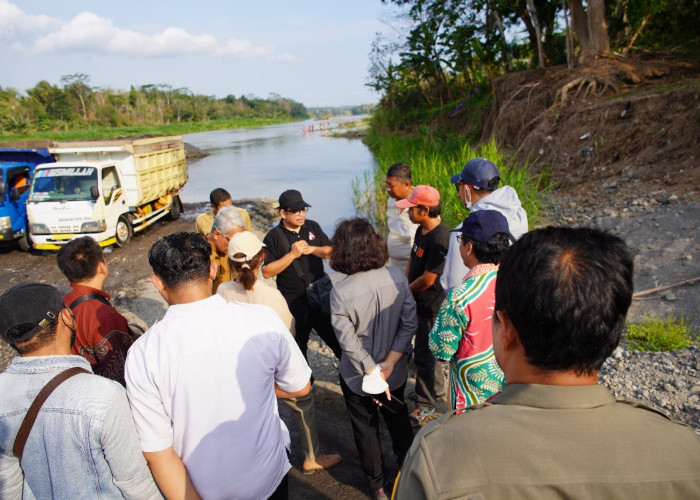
202 383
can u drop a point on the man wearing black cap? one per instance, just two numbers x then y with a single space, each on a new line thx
83 443
294 250
477 188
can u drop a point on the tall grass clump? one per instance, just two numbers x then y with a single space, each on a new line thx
657 335
433 161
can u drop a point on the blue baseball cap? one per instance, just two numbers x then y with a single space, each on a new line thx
484 225
480 173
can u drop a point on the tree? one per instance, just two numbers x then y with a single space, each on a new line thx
591 29
77 86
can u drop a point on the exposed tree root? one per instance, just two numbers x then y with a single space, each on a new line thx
584 86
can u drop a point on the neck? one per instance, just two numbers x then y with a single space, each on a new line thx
96 281
189 292
291 227
551 377
429 224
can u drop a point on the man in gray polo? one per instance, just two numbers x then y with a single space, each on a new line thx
561 299
83 443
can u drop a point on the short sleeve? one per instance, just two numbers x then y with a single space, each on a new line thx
292 372
152 423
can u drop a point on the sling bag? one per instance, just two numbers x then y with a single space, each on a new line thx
134 334
30 417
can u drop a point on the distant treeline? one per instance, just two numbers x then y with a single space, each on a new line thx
321 112
75 104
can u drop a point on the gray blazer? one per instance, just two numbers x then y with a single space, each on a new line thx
372 312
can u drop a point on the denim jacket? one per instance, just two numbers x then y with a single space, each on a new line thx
83 443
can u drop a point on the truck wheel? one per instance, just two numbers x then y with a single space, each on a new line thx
124 231
175 208
25 243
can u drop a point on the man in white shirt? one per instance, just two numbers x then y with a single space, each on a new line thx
202 383
401 229
477 187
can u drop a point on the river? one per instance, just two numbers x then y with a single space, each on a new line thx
264 161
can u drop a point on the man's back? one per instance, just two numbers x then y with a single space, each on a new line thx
538 441
83 443
202 381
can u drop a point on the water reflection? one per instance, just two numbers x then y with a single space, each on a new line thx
263 162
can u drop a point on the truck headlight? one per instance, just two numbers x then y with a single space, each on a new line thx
36 228
93 226
5 223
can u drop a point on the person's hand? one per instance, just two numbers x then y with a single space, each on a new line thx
308 250
386 369
299 248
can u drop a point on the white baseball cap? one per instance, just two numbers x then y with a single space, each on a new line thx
245 243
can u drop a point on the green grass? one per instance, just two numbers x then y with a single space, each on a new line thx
433 161
174 128
657 335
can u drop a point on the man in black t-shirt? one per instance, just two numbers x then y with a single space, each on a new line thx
425 266
294 250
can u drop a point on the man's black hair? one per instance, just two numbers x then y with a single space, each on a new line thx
487 252
401 171
219 195
433 212
43 337
78 259
566 292
179 258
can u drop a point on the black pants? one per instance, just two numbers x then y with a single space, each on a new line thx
364 417
307 319
430 375
282 491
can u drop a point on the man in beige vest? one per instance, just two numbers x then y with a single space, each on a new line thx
561 299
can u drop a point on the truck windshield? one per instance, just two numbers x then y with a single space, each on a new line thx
55 184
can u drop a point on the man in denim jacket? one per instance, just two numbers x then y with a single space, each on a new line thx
83 443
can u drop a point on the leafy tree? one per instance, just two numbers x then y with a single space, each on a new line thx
76 85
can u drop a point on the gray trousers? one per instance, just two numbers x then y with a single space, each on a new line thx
305 410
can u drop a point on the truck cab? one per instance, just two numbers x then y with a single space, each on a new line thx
16 170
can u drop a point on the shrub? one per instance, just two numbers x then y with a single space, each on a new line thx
658 335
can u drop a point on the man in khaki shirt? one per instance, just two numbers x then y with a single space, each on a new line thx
561 299
219 198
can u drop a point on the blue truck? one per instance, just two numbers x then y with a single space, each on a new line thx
16 171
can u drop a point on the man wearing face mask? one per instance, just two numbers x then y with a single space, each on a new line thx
477 187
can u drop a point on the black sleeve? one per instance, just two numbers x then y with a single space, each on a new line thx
437 251
273 246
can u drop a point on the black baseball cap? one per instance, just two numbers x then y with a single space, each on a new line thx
34 303
291 200
480 173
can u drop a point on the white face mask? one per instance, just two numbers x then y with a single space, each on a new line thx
467 198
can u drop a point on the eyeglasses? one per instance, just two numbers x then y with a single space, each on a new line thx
306 209
460 238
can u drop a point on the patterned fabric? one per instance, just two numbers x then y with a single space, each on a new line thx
462 335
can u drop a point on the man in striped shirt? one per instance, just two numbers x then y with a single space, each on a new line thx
462 329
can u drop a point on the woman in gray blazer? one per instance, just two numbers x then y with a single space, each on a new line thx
374 316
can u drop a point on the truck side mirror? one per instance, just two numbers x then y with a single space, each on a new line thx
3 189
94 193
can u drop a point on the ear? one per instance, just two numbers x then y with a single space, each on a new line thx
102 268
213 268
158 283
66 317
509 335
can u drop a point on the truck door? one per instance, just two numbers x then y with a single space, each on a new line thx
113 195
17 192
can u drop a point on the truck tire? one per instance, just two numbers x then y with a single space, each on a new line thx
124 231
25 242
175 208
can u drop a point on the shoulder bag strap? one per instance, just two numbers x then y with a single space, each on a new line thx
295 262
89 296
30 417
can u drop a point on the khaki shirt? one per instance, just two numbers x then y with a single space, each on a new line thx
544 441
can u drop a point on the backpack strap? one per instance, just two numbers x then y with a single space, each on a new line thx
89 296
30 417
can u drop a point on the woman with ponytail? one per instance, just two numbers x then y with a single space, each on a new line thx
246 253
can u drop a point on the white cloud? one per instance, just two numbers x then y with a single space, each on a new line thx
90 33
14 22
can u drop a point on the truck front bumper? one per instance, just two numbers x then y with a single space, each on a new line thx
56 241
10 235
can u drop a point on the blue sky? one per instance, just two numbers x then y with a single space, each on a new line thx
315 52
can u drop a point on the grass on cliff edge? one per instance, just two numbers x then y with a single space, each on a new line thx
657 335
433 161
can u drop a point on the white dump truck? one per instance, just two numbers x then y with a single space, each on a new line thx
105 189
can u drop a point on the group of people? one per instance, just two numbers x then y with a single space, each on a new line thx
522 322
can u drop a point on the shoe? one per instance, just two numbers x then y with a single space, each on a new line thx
379 494
322 462
423 415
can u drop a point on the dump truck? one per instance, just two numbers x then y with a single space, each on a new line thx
105 189
16 171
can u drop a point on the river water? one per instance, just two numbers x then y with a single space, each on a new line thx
264 161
